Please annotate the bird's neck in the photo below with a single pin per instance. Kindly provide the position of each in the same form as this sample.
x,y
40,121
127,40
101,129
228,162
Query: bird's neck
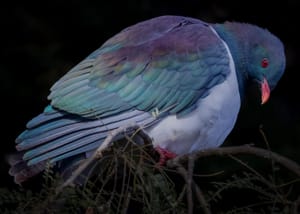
x,y
237,52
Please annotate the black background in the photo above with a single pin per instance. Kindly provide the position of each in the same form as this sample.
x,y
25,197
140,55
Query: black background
x,y
42,41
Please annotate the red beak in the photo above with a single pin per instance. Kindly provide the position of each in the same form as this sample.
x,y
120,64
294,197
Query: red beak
x,y
265,91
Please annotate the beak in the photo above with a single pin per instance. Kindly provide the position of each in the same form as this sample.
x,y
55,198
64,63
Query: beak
x,y
265,91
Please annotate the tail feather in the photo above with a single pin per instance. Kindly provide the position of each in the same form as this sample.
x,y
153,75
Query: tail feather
x,y
56,136
81,143
43,135
20,170
48,115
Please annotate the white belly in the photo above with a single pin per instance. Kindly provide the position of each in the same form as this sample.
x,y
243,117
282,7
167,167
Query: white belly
x,y
205,127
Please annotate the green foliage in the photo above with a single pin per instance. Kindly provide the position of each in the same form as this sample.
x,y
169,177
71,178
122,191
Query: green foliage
x,y
127,180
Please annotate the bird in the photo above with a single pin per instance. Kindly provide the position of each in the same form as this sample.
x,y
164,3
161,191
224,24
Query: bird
x,y
179,78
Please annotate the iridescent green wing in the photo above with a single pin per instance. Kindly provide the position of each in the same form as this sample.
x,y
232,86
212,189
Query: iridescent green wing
x,y
163,65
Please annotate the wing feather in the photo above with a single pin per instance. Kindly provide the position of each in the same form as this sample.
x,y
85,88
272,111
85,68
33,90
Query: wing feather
x,y
139,67
69,135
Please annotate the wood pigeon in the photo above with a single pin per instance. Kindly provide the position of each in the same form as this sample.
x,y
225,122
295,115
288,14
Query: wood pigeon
x,y
179,78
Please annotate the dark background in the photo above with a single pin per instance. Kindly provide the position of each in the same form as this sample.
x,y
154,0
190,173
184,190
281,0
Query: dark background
x,y
42,41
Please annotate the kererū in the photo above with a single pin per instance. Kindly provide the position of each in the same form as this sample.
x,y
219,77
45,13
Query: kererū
x,y
179,78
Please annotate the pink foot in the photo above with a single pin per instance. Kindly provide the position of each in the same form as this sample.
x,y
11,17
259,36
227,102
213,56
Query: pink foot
x,y
164,155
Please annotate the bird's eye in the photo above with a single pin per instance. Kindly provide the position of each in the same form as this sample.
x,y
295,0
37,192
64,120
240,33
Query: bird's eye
x,y
264,63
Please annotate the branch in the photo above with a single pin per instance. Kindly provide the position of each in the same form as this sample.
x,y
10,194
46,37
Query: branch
x,y
201,199
192,186
113,135
181,170
296,206
189,182
244,149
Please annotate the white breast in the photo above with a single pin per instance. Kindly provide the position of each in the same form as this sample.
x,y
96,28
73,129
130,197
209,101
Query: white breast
x,y
205,127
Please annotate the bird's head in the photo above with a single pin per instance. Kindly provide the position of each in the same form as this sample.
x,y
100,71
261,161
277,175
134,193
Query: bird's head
x,y
258,55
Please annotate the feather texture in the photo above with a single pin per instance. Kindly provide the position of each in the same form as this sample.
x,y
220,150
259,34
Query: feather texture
x,y
123,75
60,135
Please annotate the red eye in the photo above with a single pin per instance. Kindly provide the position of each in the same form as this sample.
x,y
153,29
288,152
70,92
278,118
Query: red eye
x,y
264,62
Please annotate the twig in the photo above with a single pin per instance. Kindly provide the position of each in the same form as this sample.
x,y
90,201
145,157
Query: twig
x,y
273,177
192,186
189,182
98,153
296,207
253,171
244,149
201,199
182,171
126,203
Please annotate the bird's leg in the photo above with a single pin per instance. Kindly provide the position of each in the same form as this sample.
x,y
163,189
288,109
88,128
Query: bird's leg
x,y
164,155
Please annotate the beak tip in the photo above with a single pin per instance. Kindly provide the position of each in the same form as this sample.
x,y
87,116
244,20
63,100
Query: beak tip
x,y
263,101
265,91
